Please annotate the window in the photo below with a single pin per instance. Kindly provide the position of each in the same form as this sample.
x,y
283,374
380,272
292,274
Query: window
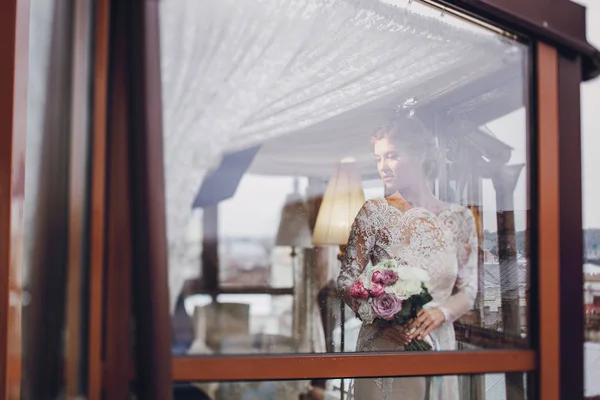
x,y
339,176
263,138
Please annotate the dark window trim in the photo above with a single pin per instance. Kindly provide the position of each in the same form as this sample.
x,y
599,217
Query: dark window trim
x,y
561,23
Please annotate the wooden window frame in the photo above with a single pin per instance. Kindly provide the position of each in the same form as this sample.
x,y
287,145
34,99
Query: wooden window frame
x,y
555,162
98,199
350,365
14,46
560,236
555,244
276,367
554,361
557,257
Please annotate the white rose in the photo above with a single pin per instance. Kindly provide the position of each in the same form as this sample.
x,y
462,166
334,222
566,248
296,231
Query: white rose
x,y
412,287
405,274
405,288
365,312
399,290
421,274
413,274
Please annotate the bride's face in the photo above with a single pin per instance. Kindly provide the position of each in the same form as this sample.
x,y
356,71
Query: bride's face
x,y
396,167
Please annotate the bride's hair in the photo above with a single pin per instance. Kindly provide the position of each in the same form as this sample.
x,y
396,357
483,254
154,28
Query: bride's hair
x,y
412,134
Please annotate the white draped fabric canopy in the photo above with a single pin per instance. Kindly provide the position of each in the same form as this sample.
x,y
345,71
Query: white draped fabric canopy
x,y
238,73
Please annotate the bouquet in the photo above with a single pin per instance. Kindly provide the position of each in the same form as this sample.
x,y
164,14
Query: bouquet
x,y
392,293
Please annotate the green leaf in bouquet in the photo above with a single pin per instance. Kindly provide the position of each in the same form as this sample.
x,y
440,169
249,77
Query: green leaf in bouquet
x,y
417,345
426,297
400,319
416,301
415,306
405,311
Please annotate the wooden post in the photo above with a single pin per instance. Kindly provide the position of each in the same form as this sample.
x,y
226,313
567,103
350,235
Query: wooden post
x,y
149,227
560,238
98,199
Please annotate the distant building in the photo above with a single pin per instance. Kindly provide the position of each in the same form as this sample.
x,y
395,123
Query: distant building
x,y
591,298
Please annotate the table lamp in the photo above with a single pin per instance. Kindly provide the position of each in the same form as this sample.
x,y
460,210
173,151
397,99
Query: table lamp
x,y
294,230
293,226
343,198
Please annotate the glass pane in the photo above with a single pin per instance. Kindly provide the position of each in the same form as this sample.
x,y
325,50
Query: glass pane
x,y
590,95
466,387
591,286
248,251
309,143
239,323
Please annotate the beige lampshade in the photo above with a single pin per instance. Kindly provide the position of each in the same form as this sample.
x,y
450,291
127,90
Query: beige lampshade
x,y
343,199
293,227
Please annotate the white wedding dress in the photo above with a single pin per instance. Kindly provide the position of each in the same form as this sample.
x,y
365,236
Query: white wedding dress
x,y
444,244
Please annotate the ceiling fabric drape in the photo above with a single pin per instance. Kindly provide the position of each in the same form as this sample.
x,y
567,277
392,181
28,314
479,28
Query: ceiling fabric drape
x,y
240,73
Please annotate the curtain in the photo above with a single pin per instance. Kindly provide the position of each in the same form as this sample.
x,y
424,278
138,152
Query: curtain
x,y
240,73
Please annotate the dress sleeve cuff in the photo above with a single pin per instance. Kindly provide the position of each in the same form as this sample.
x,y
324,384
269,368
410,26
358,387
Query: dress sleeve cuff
x,y
447,314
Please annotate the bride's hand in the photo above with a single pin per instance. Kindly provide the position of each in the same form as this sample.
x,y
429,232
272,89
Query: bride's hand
x,y
396,334
426,322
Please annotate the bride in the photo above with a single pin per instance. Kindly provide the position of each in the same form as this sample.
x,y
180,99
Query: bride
x,y
413,224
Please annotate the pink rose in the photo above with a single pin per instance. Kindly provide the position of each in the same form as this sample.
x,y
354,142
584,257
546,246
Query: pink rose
x,y
388,277
376,277
377,289
358,291
387,306
385,277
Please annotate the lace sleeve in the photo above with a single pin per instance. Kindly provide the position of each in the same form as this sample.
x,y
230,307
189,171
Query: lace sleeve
x,y
358,251
465,287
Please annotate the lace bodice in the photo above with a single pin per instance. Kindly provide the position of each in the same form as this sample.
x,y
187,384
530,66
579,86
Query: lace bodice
x,y
443,244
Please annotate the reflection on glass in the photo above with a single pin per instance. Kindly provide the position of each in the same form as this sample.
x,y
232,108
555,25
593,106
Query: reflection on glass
x,y
241,323
471,387
591,296
338,138
591,286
